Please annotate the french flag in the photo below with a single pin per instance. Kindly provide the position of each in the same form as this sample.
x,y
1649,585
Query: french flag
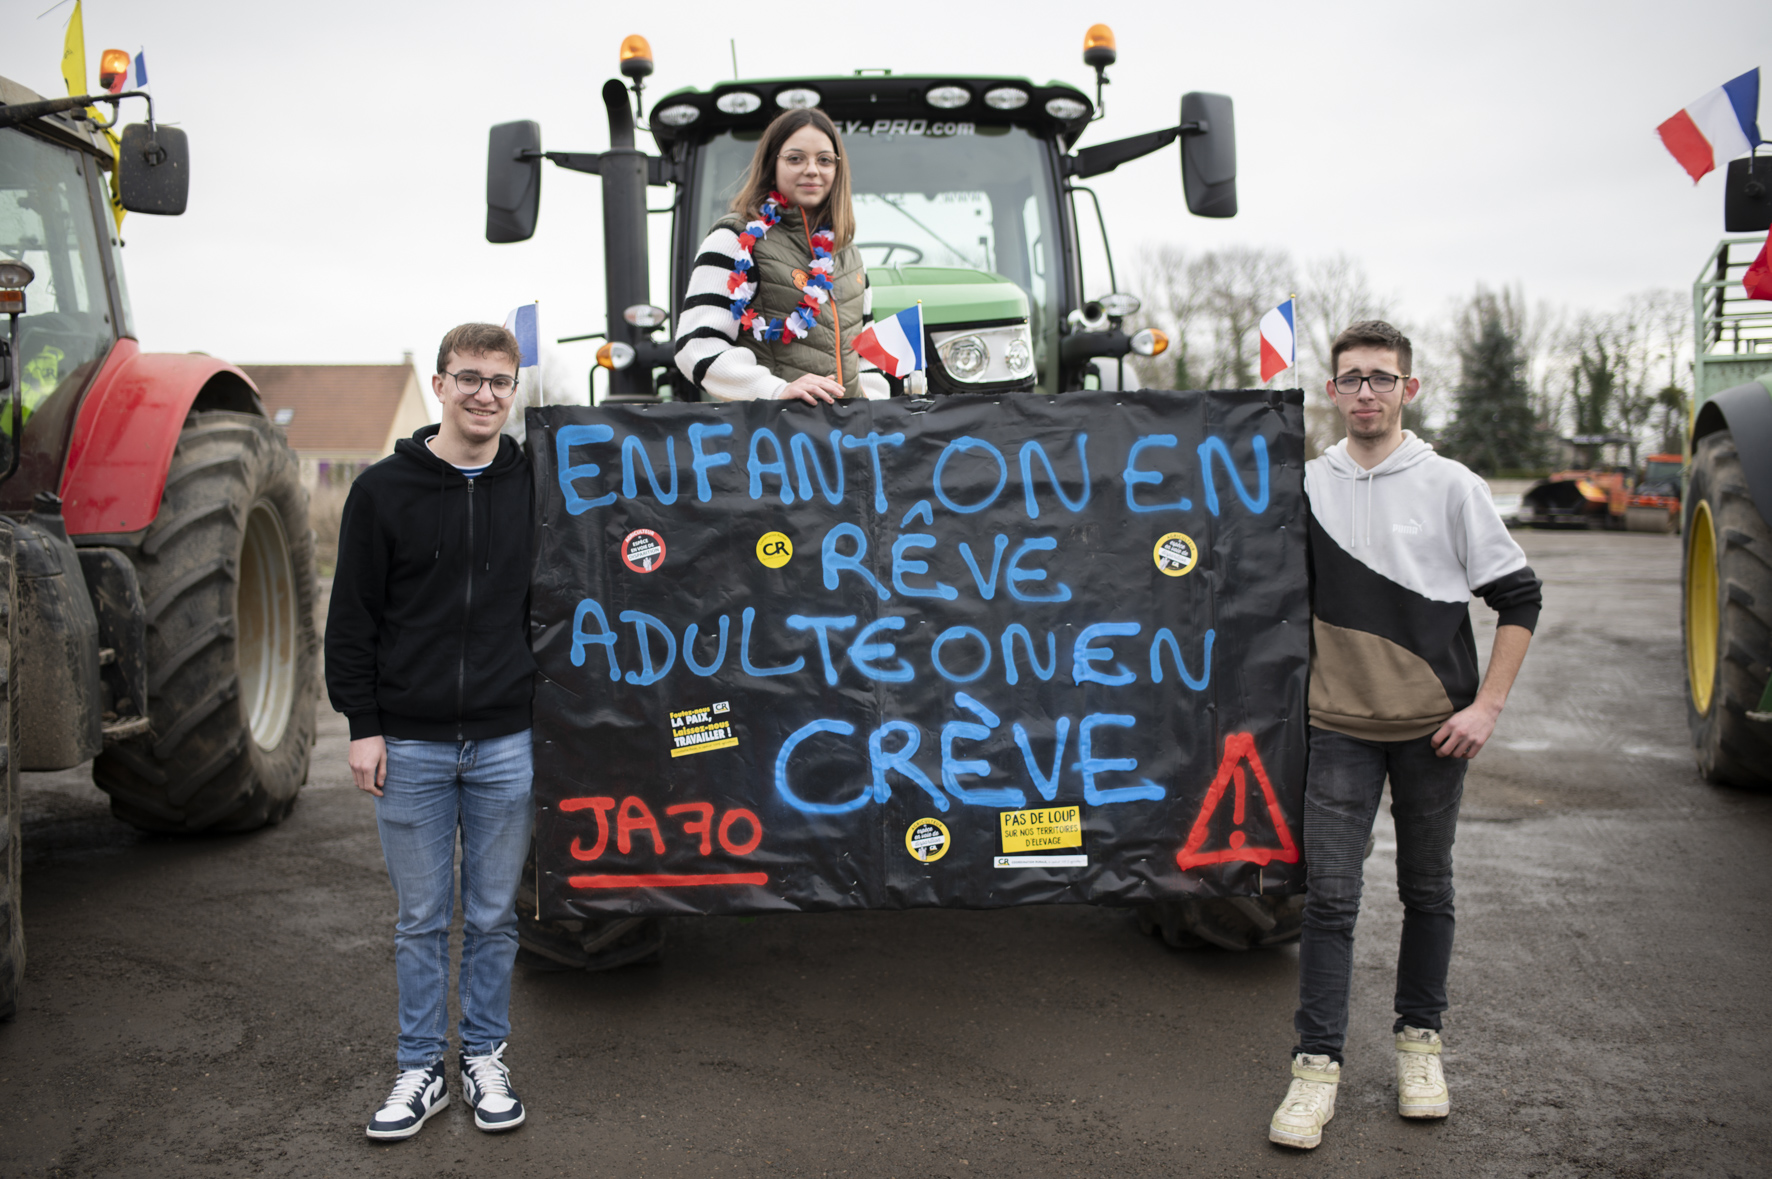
x,y
1717,128
1279,342
894,345
524,324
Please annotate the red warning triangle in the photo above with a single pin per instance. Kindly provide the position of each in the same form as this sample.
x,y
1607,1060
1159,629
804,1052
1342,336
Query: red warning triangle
x,y
1239,750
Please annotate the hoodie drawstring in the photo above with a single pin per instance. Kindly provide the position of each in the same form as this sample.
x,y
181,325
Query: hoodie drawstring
x,y
442,504
1353,506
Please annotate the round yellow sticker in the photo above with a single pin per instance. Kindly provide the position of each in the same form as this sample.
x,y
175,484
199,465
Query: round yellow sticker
x,y
1176,553
775,549
927,840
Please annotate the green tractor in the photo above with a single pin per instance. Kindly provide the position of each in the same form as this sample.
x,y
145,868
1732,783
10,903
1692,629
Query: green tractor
x,y
966,198
1728,504
966,191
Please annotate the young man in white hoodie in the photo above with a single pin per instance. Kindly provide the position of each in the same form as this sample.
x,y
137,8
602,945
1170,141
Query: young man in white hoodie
x,y
1400,539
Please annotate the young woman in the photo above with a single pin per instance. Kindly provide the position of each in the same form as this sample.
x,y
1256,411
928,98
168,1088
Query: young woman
x,y
778,293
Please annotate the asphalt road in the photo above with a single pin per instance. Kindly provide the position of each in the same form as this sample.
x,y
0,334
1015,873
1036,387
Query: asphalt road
x,y
225,1006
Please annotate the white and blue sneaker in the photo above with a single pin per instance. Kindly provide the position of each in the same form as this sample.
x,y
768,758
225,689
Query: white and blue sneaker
x,y
486,1084
419,1093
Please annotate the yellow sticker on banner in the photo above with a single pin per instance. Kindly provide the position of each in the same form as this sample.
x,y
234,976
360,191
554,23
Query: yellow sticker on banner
x,y
774,549
1042,829
1176,553
928,840
697,730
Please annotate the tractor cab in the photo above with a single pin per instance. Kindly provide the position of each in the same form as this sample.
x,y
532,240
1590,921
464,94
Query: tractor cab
x,y
966,192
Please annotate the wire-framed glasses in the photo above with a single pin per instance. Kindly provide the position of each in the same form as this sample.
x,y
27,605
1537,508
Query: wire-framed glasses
x,y
1348,384
501,385
824,160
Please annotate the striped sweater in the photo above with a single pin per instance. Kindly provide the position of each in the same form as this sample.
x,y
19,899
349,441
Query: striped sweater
x,y
708,349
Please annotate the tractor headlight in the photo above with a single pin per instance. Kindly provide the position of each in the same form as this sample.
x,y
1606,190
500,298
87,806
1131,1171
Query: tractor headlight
x,y
966,357
1018,358
677,115
615,354
987,355
798,98
738,102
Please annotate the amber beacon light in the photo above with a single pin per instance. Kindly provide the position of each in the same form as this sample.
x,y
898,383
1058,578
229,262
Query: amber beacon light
x,y
113,70
636,56
1098,47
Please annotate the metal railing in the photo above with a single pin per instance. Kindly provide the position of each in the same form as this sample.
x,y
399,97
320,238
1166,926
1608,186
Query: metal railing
x,y
1734,336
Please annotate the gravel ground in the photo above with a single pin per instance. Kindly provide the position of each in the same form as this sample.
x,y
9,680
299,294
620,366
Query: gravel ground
x,y
225,1006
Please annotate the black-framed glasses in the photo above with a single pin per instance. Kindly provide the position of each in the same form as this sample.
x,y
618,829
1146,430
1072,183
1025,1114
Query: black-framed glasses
x,y
825,161
501,385
1348,384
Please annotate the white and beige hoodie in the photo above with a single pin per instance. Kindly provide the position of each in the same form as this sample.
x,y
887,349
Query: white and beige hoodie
x,y
1397,552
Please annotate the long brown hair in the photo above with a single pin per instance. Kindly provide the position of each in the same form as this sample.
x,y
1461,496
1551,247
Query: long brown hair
x,y
759,180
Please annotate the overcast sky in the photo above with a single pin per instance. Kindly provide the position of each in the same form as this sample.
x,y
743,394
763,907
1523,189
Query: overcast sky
x,y
339,149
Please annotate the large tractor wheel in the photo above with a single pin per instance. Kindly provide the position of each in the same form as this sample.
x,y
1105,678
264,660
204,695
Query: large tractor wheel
x,y
12,925
227,577
1727,619
1231,923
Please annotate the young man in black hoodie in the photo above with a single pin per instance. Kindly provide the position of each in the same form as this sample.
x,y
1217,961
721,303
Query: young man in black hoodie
x,y
427,655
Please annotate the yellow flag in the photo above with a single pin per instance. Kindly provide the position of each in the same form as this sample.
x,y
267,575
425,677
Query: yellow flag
x,y
74,74
74,54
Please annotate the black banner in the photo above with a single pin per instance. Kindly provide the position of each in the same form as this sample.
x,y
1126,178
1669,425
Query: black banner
x,y
983,651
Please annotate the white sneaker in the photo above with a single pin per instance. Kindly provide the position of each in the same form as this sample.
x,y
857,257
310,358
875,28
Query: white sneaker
x,y
419,1093
486,1083
1421,1083
1309,1104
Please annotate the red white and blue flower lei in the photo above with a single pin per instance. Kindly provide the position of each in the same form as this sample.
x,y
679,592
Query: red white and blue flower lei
x,y
743,287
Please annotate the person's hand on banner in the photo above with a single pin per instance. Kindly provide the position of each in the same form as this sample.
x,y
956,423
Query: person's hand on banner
x,y
812,389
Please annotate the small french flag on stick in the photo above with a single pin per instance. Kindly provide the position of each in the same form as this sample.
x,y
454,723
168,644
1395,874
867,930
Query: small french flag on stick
x,y
894,345
1718,127
1279,342
523,324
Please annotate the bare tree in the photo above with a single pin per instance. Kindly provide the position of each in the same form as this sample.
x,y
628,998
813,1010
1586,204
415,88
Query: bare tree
x,y
1172,305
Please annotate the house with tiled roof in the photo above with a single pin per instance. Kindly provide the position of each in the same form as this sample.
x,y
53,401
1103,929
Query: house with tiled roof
x,y
341,417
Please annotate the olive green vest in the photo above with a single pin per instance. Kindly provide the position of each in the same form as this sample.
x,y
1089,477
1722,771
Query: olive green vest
x,y
780,264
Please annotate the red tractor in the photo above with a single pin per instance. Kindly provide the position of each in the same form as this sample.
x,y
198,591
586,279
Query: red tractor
x,y
156,564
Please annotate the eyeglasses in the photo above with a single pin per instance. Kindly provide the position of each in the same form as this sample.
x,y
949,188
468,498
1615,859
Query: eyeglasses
x,y
799,159
469,383
1349,384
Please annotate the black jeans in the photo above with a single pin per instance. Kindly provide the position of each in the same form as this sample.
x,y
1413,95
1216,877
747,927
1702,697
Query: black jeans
x,y
1343,787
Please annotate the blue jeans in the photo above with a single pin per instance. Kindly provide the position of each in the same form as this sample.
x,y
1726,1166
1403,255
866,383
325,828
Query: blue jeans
x,y
1343,787
434,789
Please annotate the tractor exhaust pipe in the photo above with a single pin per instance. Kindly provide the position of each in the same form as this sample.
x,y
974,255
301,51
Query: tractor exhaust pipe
x,y
625,266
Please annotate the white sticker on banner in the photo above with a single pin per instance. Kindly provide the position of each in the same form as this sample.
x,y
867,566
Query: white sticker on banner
x,y
1041,862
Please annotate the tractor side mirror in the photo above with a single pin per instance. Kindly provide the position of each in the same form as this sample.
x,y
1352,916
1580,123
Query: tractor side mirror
x,y
1209,154
154,169
1747,195
513,181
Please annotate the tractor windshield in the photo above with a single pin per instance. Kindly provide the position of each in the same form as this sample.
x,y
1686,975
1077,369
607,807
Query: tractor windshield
x,y
930,194
46,222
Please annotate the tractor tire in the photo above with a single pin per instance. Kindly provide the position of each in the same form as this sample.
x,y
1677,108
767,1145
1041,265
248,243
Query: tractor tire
x,y
594,945
1727,619
227,578
1230,923
12,924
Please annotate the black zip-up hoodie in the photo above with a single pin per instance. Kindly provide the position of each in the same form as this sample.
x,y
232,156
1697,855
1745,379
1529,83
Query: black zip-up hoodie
x,y
427,635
